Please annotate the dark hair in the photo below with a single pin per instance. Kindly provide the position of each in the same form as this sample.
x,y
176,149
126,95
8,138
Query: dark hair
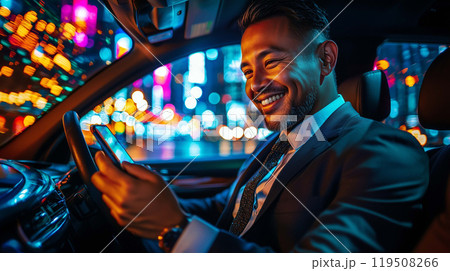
x,y
304,15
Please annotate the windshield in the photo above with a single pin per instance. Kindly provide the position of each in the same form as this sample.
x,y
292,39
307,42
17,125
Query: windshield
x,y
48,49
194,106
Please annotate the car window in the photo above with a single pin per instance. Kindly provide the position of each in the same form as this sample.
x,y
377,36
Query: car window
x,y
48,49
404,65
193,106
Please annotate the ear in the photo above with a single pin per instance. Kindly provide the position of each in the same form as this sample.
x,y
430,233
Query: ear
x,y
328,53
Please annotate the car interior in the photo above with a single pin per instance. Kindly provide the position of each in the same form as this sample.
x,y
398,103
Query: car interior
x,y
393,67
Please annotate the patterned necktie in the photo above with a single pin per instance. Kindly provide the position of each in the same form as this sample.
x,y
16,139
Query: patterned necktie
x,y
248,196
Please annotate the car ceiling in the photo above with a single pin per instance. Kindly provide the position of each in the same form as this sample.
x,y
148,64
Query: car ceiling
x,y
358,30
373,18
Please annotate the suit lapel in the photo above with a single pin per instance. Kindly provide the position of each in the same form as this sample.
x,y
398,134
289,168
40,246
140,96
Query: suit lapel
x,y
331,129
310,150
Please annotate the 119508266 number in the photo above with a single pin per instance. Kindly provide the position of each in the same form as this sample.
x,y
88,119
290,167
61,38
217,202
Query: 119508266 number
x,y
404,262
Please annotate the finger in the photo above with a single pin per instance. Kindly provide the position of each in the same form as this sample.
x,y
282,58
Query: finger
x,y
141,172
117,212
105,185
106,166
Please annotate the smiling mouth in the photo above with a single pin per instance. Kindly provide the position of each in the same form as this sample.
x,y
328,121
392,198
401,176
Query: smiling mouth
x,y
272,99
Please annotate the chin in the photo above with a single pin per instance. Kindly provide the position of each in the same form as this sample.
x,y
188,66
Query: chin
x,y
272,125
273,121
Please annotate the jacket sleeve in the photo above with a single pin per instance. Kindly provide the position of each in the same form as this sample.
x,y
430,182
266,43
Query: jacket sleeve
x,y
383,179
208,209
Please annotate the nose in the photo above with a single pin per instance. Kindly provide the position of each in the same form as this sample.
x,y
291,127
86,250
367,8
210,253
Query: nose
x,y
259,82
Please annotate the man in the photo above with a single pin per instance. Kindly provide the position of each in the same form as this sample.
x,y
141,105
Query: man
x,y
340,183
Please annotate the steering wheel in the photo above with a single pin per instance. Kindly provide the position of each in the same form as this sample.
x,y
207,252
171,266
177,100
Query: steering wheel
x,y
87,167
82,157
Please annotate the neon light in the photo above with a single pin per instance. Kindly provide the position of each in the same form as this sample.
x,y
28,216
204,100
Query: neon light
x,y
214,98
91,20
142,105
137,96
41,102
394,109
81,39
250,132
66,13
123,44
105,54
148,80
28,70
40,25
29,120
7,71
119,127
7,3
162,72
4,11
18,126
56,90
212,54
50,28
162,78
120,104
137,83
157,99
196,92
190,102
382,65
410,81
63,62
237,132
31,16
208,119
167,114
197,73
80,14
225,133
139,129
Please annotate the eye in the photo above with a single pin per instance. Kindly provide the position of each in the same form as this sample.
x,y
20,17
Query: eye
x,y
271,63
247,73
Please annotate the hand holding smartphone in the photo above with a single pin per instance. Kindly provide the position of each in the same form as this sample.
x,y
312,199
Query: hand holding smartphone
x,y
110,145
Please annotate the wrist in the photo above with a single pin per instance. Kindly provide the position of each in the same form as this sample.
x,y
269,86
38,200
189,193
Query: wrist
x,y
170,235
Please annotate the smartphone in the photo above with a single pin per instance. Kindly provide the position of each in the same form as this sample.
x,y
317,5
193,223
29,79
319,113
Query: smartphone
x,y
110,145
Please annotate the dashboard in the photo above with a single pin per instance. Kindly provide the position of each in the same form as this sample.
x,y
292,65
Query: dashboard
x,y
45,207
41,207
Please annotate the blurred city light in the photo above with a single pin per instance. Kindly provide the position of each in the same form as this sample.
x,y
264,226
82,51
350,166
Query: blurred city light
x,y
212,54
197,73
196,92
190,102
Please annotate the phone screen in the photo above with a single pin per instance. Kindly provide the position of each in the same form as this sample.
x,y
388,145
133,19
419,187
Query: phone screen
x,y
110,144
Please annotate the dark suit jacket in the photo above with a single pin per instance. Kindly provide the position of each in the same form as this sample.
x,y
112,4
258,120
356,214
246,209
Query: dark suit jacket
x,y
364,183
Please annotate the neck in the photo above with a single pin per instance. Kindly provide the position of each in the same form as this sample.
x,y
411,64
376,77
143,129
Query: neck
x,y
327,94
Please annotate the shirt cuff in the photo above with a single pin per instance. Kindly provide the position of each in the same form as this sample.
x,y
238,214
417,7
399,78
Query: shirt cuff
x,y
198,236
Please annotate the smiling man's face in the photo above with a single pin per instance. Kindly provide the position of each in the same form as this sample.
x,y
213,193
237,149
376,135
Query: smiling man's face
x,y
276,83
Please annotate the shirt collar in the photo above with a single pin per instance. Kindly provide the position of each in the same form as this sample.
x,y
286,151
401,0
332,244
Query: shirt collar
x,y
309,126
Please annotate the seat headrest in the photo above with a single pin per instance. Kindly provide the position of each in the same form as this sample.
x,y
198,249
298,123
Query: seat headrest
x,y
369,94
434,97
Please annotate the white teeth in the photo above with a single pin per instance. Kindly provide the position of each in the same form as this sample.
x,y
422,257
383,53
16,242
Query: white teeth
x,y
271,99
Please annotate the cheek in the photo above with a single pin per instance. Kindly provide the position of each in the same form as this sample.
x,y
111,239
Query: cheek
x,y
293,81
248,91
